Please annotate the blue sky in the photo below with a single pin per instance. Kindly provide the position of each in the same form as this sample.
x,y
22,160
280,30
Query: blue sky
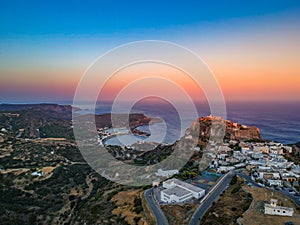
x,y
113,17
51,43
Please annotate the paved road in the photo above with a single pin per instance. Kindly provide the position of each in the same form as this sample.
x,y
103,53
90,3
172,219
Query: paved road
x,y
248,179
212,196
157,212
296,199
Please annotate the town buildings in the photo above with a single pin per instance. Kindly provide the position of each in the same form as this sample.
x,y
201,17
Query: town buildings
x,y
265,161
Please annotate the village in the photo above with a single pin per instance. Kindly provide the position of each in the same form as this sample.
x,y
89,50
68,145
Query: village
x,y
260,164
265,160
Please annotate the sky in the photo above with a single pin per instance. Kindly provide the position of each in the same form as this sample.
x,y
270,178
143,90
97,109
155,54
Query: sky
x,y
252,47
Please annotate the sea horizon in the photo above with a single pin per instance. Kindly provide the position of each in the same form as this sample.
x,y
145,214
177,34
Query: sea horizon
x,y
277,121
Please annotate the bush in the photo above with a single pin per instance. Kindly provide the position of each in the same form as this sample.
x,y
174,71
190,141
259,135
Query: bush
x,y
136,219
236,189
138,208
234,180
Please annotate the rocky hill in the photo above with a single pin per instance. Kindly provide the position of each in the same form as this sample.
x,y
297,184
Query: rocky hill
x,y
233,131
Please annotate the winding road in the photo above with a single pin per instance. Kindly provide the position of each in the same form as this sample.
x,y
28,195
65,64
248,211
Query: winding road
x,y
156,210
211,196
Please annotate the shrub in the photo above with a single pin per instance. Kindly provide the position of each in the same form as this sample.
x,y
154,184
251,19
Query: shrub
x,y
236,189
234,180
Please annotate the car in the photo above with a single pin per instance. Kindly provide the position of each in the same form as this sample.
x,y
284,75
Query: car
x,y
289,223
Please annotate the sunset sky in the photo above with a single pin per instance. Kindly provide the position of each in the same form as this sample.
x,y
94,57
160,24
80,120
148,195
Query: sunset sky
x,y
252,47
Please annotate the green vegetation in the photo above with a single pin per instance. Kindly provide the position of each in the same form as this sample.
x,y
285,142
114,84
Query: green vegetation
x,y
71,188
56,131
234,180
138,208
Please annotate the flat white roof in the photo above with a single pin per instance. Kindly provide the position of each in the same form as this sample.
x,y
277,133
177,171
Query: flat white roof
x,y
184,184
177,191
279,207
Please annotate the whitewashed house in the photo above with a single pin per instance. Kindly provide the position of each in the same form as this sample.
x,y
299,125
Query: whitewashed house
x,y
278,183
225,168
273,209
166,173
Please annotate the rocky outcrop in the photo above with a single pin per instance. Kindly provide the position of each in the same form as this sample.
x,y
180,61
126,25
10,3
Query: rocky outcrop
x,y
224,130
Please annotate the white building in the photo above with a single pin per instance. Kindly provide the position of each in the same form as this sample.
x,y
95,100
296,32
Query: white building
x,y
245,150
273,209
240,165
179,191
272,182
37,173
197,149
224,148
288,149
166,173
276,150
225,168
175,194
222,156
296,169
238,155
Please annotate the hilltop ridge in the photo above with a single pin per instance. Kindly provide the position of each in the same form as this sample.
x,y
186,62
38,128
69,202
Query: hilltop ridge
x,y
233,130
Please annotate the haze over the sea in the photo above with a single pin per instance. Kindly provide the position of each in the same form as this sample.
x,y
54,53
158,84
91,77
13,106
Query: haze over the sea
x,y
277,121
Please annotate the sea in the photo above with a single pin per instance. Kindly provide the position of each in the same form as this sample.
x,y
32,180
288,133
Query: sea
x,y
277,121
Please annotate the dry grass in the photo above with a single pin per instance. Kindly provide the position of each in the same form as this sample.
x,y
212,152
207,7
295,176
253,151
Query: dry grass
x,y
179,214
50,139
255,214
230,206
16,172
147,211
124,202
48,169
